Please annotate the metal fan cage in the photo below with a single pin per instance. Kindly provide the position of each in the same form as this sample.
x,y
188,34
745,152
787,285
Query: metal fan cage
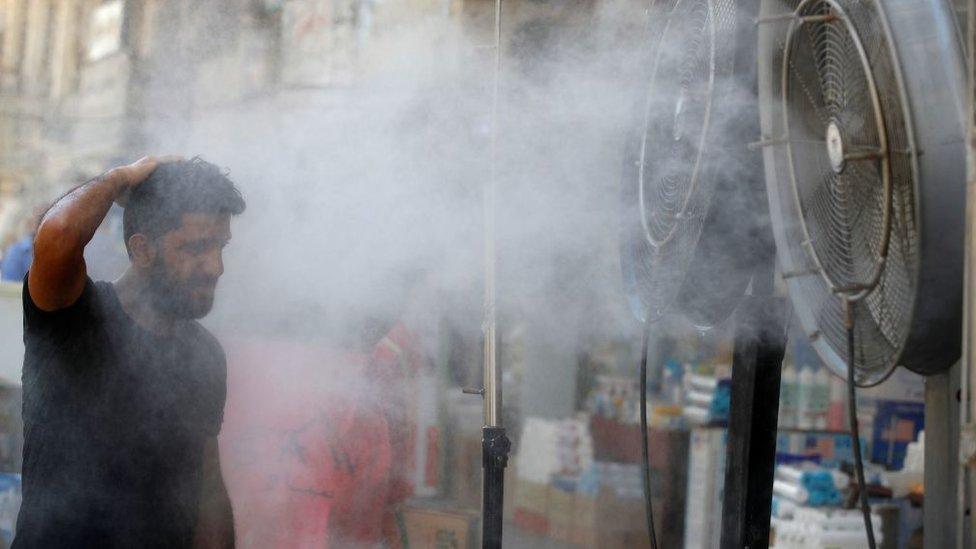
x,y
843,179
671,189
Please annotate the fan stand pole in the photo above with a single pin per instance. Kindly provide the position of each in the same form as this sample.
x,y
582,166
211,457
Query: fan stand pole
x,y
495,445
759,346
941,520
760,343
966,469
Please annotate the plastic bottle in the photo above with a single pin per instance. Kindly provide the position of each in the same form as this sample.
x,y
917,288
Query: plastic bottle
x,y
804,398
671,390
820,398
837,408
787,401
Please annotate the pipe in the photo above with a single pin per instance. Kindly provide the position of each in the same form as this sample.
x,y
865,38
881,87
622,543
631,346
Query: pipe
x,y
967,408
492,374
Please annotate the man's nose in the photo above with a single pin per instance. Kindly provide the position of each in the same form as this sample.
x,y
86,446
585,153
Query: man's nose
x,y
213,264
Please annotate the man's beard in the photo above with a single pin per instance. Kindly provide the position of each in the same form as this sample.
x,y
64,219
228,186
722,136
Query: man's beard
x,y
172,298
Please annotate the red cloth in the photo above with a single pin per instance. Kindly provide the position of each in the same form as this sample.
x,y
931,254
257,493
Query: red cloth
x,y
394,365
305,453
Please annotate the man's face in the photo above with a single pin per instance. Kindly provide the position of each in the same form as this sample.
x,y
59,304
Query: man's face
x,y
189,260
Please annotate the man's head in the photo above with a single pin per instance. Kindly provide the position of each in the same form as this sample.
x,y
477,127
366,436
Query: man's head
x,y
176,224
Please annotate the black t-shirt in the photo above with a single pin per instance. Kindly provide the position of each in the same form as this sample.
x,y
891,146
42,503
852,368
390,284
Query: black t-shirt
x,y
115,421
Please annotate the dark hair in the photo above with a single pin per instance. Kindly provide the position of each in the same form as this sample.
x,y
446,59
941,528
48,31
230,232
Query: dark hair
x,y
157,205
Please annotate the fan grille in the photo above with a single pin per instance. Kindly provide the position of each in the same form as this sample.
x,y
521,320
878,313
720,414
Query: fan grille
x,y
673,184
851,228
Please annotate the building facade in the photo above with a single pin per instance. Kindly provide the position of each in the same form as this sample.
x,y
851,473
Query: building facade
x,y
87,84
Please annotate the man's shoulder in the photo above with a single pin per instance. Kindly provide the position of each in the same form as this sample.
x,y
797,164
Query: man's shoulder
x,y
90,310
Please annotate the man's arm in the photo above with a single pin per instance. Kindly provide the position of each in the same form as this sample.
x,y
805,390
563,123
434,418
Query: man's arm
x,y
57,272
215,523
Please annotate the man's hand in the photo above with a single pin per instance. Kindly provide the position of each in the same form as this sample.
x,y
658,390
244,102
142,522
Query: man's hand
x,y
129,177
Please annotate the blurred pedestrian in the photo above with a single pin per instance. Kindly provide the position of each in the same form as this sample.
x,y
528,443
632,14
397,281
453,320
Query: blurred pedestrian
x,y
17,257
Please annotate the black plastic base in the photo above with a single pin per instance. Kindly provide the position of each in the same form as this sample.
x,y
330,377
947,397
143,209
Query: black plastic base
x,y
760,342
495,447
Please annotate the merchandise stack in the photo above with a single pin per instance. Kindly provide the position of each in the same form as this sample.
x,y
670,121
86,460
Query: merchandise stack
x,y
824,528
554,447
813,486
551,453
704,488
707,398
807,511
810,398
580,481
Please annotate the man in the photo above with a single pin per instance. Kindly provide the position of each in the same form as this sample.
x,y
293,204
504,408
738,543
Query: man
x,y
123,390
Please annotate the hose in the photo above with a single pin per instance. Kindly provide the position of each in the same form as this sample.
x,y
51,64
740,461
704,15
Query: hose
x,y
646,470
855,432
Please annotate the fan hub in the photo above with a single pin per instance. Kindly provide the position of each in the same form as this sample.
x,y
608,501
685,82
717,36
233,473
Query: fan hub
x,y
835,147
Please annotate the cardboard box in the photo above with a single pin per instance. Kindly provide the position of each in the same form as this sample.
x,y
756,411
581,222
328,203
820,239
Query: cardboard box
x,y
532,497
530,521
465,477
668,453
441,528
561,513
584,520
621,443
896,424
606,521
530,506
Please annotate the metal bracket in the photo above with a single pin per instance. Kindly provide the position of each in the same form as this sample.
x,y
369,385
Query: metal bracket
x,y
825,18
767,142
786,275
775,18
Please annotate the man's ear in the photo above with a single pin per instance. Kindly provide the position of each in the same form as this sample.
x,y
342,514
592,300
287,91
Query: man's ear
x,y
143,251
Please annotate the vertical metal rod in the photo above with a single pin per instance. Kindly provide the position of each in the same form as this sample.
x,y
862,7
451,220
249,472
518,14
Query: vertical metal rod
x,y
967,409
492,374
940,514
495,446
967,412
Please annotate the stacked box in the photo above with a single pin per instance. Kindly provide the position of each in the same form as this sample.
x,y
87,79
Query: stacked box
x,y
825,448
531,506
706,479
668,453
584,520
440,528
896,424
562,504
611,522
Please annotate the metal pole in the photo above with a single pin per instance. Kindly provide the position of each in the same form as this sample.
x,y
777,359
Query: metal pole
x,y
967,412
941,459
495,445
492,377
760,343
